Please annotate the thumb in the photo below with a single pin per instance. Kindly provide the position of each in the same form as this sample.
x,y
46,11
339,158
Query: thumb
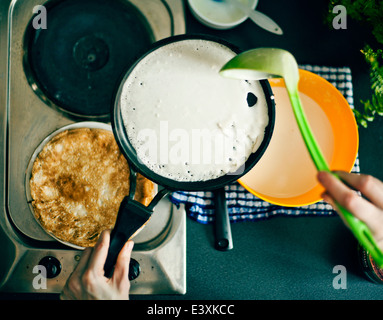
x,y
121,269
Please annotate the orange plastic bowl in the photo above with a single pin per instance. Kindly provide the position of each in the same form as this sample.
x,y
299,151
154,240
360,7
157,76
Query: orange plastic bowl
x,y
286,175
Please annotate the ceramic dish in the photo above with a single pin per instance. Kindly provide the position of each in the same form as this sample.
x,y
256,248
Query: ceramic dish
x,y
286,175
218,14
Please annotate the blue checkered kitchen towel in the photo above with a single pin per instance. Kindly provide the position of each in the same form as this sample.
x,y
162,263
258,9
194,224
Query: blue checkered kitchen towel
x,y
244,206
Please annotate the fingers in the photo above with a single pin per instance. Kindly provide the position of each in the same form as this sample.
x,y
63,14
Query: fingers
x,y
121,270
91,262
368,185
88,281
99,253
359,207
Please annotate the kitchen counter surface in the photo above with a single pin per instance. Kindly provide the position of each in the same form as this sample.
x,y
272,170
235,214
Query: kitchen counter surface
x,y
287,258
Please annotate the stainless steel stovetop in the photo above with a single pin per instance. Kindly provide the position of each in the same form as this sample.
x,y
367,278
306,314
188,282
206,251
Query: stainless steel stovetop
x,y
27,117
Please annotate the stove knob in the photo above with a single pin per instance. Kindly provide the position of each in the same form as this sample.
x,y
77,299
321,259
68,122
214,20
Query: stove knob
x,y
52,266
134,269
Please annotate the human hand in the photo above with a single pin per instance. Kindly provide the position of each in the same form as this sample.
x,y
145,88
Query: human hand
x,y
368,209
87,282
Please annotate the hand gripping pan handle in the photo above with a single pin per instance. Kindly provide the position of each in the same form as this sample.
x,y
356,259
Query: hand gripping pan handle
x,y
131,217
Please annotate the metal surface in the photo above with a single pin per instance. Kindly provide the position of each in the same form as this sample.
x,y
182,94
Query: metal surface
x,y
26,119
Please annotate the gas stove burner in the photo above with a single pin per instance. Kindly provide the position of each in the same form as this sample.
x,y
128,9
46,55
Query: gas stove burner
x,y
76,62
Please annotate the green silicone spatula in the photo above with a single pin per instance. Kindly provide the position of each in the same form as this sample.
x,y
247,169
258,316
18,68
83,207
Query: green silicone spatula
x,y
266,63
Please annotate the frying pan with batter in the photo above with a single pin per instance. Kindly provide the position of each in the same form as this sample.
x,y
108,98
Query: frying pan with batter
x,y
133,215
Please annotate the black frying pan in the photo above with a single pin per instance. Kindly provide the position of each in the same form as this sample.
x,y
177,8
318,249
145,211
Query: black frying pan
x,y
133,215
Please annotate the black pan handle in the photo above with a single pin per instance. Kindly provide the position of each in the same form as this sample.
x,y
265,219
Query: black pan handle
x,y
132,215
223,238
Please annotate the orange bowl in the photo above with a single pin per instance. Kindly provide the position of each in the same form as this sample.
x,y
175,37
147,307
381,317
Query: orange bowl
x,y
286,175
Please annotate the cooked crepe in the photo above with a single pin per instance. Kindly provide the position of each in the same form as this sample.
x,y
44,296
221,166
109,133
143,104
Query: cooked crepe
x,y
78,182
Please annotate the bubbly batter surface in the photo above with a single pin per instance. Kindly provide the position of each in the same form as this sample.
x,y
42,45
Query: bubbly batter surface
x,y
187,122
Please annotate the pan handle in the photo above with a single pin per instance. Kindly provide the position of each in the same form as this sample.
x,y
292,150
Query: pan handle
x,y
131,217
223,238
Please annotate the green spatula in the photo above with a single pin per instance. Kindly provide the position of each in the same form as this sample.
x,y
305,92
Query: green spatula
x,y
266,63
